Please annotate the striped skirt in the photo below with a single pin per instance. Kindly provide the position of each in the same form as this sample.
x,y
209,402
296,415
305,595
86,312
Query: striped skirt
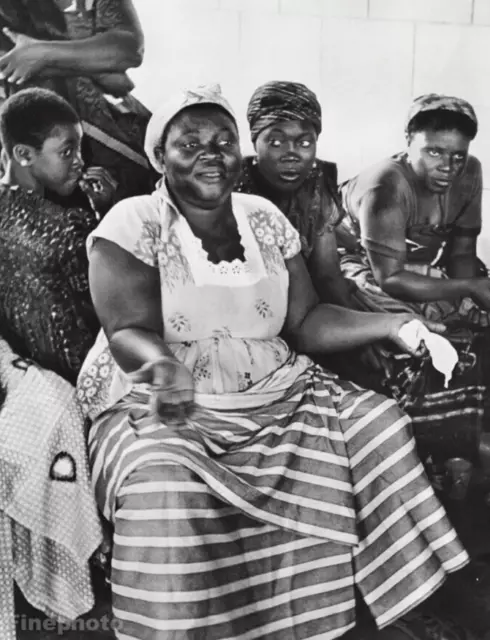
x,y
257,523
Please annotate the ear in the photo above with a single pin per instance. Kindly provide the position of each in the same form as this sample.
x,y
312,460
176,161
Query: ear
x,y
23,154
159,155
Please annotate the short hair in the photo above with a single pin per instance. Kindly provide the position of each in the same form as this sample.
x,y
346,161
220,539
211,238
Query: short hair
x,y
442,120
30,115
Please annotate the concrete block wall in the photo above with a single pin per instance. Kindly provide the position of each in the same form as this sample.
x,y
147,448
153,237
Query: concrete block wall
x,y
366,59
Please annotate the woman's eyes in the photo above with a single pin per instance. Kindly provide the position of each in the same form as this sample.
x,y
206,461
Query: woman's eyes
x,y
67,153
304,144
194,144
433,153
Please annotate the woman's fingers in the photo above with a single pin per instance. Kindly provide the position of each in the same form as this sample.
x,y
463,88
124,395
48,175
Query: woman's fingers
x,y
100,174
436,327
12,35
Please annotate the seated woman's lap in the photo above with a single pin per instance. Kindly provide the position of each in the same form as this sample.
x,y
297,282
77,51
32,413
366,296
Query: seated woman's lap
x,y
176,540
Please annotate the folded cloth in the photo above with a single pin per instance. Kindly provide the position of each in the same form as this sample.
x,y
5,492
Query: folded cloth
x,y
444,356
45,489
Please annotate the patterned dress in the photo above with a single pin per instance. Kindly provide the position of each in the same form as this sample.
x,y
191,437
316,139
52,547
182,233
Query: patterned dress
x,y
46,313
311,209
255,517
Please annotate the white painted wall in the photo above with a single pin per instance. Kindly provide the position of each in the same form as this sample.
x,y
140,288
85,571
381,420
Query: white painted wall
x,y
366,59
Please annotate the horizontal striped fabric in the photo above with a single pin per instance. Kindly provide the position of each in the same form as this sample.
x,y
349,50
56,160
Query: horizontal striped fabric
x,y
256,523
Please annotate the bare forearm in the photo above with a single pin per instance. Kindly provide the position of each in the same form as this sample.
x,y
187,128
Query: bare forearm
x,y
418,288
114,51
329,328
334,291
132,348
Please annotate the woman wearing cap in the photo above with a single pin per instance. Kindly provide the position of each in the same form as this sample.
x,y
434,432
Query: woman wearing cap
x,y
248,488
285,120
416,217
418,212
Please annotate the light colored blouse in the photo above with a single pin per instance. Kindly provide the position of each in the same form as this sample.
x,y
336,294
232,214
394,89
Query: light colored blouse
x,y
221,320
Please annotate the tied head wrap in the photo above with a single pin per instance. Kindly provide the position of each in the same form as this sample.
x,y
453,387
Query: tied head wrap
x,y
159,121
438,102
282,101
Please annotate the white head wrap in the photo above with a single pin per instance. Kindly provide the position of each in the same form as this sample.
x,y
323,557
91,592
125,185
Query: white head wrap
x,y
207,94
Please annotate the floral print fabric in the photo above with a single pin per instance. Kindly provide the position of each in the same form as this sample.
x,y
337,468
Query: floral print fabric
x,y
222,321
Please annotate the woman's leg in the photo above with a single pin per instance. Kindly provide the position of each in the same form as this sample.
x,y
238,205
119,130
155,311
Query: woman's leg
x,y
407,544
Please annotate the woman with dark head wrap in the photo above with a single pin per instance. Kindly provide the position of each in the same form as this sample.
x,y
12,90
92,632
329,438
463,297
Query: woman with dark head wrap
x,y
285,121
416,217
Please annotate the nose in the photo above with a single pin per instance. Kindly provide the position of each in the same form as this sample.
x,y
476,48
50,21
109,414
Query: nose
x,y
212,150
447,164
290,152
78,160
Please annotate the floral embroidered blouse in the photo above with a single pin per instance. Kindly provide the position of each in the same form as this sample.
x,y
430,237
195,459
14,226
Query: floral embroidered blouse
x,y
221,320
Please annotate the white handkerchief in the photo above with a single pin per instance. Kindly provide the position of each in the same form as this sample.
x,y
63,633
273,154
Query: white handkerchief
x,y
444,356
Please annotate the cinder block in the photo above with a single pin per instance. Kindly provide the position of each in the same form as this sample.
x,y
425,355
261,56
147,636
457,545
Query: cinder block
x,y
481,12
327,8
422,10
367,63
185,48
453,59
278,48
257,6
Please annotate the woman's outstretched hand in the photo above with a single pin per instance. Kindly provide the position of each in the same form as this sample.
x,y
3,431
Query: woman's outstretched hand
x,y
398,320
172,387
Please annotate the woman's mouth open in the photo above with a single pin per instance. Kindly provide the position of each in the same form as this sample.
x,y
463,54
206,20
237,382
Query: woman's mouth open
x,y
290,176
212,176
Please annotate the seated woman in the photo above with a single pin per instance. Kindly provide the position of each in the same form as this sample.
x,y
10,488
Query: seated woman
x,y
46,313
416,218
285,121
82,51
249,489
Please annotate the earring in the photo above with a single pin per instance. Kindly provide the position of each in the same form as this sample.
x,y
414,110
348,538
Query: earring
x,y
255,161
23,163
314,165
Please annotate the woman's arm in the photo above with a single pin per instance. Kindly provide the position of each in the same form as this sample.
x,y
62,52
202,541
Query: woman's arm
x,y
127,299
324,268
114,50
383,231
322,328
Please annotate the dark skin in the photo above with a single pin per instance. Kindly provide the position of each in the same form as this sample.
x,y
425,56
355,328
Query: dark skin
x,y
286,152
202,148
105,56
437,158
57,166
126,292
